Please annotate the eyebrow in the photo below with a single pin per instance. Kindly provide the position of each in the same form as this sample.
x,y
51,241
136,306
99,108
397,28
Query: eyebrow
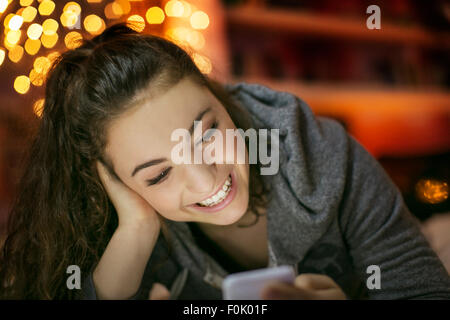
x,y
159,160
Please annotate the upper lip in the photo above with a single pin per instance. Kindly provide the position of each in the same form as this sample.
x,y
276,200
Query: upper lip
x,y
217,190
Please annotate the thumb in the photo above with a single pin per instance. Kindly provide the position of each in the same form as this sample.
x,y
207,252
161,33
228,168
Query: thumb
x,y
158,292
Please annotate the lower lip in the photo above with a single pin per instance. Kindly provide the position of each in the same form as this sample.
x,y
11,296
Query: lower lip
x,y
225,202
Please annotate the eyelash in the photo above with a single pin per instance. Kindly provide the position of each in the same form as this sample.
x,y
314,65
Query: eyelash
x,y
164,174
159,178
213,126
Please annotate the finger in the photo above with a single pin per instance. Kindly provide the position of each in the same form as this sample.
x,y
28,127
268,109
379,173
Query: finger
x,y
313,281
158,292
329,294
284,291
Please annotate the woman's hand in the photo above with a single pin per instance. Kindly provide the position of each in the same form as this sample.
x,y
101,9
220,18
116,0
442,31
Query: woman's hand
x,y
307,286
159,292
131,208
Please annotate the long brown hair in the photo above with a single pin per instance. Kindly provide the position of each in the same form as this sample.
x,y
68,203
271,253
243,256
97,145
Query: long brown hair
x,y
62,215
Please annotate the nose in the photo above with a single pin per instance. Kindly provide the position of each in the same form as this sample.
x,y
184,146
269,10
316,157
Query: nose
x,y
200,178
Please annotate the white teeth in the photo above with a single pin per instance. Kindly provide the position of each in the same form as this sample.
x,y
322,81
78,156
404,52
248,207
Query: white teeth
x,y
219,196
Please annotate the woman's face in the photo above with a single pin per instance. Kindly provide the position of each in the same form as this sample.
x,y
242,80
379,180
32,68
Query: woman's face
x,y
143,134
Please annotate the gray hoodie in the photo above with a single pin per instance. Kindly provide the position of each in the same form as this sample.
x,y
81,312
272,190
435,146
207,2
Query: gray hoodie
x,y
333,211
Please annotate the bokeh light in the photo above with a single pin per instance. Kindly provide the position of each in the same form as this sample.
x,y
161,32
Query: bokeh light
x,y
155,15
2,56
49,41
49,27
432,191
42,65
136,22
52,56
7,19
28,14
34,31
73,40
32,46
15,22
121,7
199,20
3,5
46,7
15,54
22,84
109,13
72,7
187,10
68,19
174,8
202,62
13,36
38,107
94,24
25,3
196,40
37,79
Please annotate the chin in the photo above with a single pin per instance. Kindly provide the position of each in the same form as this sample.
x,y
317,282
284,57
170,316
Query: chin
x,y
232,214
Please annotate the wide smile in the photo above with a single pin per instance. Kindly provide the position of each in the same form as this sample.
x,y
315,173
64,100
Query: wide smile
x,y
221,198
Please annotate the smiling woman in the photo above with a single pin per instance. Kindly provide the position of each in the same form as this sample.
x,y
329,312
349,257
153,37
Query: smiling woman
x,y
101,191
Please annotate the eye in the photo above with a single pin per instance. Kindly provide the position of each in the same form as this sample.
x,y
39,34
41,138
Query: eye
x,y
159,178
209,133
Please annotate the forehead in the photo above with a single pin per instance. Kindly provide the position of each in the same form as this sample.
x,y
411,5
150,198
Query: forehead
x,y
143,132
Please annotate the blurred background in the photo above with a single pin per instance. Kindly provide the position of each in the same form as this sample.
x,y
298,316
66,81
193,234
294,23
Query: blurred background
x,y
390,87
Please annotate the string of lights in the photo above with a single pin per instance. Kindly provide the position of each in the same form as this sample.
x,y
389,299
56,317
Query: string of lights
x,y
36,31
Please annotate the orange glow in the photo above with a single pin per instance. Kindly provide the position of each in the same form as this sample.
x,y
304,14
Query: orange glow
x,y
432,191
42,65
2,56
73,40
49,27
13,36
94,1
15,23
34,31
37,79
32,46
49,41
199,20
15,54
38,107
28,14
94,24
136,22
22,84
155,15
46,7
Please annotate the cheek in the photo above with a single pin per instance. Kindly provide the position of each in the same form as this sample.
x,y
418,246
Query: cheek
x,y
165,202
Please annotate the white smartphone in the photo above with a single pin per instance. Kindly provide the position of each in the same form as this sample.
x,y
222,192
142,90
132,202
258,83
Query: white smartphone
x,y
248,285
